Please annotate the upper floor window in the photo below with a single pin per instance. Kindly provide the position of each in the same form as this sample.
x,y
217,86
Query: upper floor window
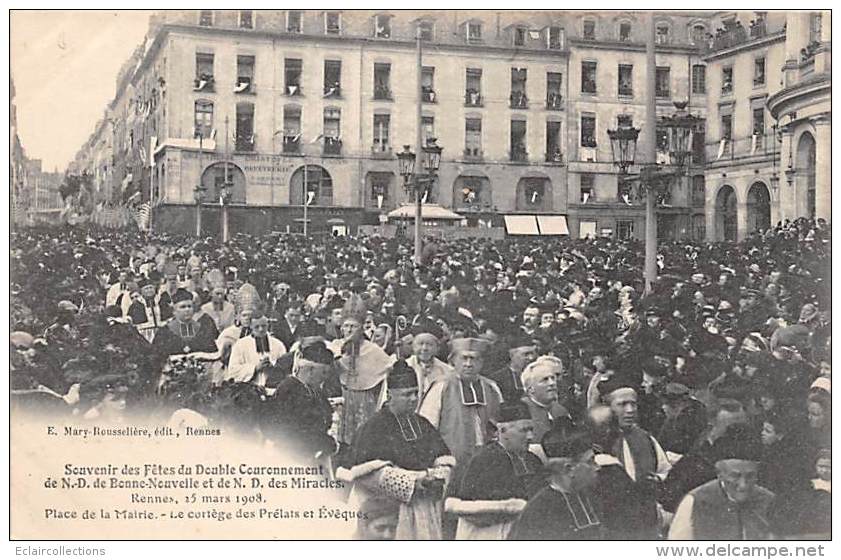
x,y
332,78
815,27
663,34
474,32
246,19
204,72
588,77
203,118
333,23
291,129
589,31
473,87
206,18
381,132
382,80
473,137
428,84
382,26
758,121
699,34
293,68
428,127
759,71
520,34
727,80
554,94
555,38
699,79
662,85
518,88
626,80
588,130
245,74
426,29
294,21
625,31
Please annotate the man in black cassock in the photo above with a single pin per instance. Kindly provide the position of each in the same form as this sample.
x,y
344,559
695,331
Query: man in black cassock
x,y
182,334
298,415
564,510
499,479
400,454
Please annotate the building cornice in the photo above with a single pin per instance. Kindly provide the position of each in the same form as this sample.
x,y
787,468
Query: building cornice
x,y
769,39
609,45
817,85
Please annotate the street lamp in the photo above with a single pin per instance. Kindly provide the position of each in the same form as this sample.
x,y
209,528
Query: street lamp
x,y
655,180
198,190
416,182
225,192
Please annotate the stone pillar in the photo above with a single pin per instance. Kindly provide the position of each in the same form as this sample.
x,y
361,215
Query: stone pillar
x,y
823,175
709,212
786,200
741,218
797,36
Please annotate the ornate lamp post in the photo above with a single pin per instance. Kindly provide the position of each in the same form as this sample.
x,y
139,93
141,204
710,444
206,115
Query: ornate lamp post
x,y
654,180
417,182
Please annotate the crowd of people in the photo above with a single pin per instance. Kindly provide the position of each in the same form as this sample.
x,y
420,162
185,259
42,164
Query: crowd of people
x,y
499,389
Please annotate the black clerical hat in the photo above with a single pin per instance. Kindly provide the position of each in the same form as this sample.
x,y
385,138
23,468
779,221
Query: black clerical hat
x,y
182,295
402,376
318,352
513,411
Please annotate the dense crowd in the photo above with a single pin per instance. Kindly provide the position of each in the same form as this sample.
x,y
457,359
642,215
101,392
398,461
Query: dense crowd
x,y
518,388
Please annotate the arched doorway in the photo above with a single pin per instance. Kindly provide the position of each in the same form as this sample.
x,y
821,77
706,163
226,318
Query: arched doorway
x,y
725,214
534,193
319,186
805,167
216,175
759,207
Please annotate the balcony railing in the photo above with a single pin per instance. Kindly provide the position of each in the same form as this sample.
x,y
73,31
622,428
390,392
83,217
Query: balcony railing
x,y
333,91
244,143
292,144
757,145
519,100
382,93
626,91
554,101
205,82
473,99
554,156
473,154
428,95
381,149
332,146
735,34
518,154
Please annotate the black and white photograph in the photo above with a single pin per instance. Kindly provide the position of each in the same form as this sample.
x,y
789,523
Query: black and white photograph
x,y
420,274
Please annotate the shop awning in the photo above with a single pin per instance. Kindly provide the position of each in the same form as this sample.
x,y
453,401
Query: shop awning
x,y
428,212
529,224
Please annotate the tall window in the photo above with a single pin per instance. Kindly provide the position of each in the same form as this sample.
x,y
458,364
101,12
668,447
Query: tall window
x,y
555,38
473,89
589,29
380,183
624,229
759,71
473,137
726,127
520,36
292,69
758,121
332,130
815,27
588,130
663,34
382,26
727,80
382,123
662,86
699,79
332,78
518,88
588,77
245,127
382,80
428,127
474,32
428,84
698,191
662,140
626,80
246,19
245,74
294,21
291,129
625,31
518,140
204,72
699,34
587,185
333,23
554,95
206,18
203,118
553,142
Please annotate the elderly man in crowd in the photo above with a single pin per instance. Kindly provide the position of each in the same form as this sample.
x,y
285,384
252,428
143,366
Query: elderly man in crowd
x,y
540,381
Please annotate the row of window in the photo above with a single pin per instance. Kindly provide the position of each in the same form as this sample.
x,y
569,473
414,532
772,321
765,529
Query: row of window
x,y
332,85
381,28
625,79
330,138
727,75
587,191
624,32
